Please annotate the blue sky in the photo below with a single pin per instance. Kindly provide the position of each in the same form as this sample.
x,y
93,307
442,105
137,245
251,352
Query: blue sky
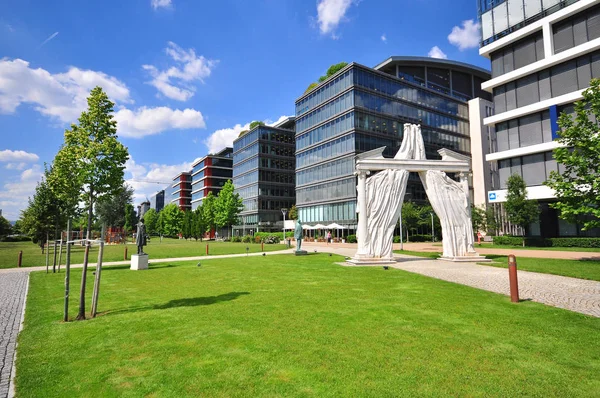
x,y
187,76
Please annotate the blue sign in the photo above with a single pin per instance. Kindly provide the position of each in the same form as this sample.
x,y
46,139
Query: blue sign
x,y
492,195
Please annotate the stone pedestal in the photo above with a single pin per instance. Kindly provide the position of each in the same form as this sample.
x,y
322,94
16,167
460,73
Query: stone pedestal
x,y
365,260
139,262
469,258
300,253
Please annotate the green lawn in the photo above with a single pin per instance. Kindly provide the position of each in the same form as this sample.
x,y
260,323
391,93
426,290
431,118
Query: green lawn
x,y
169,248
584,269
299,326
520,247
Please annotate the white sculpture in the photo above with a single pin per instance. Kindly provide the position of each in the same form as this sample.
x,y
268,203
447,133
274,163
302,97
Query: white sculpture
x,y
380,199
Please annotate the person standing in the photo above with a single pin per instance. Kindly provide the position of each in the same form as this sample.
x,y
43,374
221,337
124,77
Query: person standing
x,y
328,237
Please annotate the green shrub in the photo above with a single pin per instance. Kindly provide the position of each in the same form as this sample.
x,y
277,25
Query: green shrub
x,y
236,239
419,238
288,234
20,238
271,239
257,239
351,239
247,238
507,240
397,239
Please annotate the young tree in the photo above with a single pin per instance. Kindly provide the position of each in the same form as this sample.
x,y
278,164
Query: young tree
x,y
578,187
199,225
228,206
5,227
519,209
111,208
151,220
491,220
410,217
130,219
187,224
478,218
172,220
208,211
293,214
93,160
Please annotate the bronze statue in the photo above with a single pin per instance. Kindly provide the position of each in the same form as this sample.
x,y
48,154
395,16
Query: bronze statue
x,y
140,237
298,235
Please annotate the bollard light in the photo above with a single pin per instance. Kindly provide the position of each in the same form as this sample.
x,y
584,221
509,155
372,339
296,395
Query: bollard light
x,y
199,265
512,277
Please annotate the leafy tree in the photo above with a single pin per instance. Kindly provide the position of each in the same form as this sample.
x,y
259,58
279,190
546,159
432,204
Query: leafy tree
x,y
17,228
478,218
5,227
42,215
519,209
187,224
209,211
160,223
411,217
130,219
111,208
228,206
491,220
332,70
172,220
578,187
293,214
151,220
256,123
93,160
199,225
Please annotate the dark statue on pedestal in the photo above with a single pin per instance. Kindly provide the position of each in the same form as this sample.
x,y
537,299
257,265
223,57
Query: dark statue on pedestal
x,y
140,237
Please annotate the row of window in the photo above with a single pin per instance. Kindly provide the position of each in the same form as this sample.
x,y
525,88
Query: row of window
x,y
337,168
561,79
524,131
339,212
326,131
277,150
246,153
578,29
327,191
279,164
241,168
216,162
281,177
325,92
265,134
517,55
322,152
249,191
399,109
535,169
406,92
244,141
365,143
342,103
240,181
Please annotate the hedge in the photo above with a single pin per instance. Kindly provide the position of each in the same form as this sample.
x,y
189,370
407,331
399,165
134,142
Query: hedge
x,y
351,239
288,234
15,239
547,242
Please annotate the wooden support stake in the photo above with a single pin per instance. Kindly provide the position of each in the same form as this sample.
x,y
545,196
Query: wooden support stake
x,y
47,253
97,281
68,273
20,258
54,261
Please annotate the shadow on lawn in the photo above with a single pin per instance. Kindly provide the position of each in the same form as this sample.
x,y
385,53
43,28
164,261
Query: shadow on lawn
x,y
186,302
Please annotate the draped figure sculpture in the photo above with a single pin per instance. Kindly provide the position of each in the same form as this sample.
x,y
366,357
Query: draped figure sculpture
x,y
384,195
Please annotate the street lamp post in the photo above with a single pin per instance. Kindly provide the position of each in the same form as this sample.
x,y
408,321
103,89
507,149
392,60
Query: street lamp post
x,y
284,212
432,230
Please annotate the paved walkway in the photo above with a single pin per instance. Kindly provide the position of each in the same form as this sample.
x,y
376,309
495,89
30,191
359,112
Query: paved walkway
x,y
13,288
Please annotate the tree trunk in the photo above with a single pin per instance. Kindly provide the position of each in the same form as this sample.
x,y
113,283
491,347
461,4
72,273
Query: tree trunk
x,y
81,314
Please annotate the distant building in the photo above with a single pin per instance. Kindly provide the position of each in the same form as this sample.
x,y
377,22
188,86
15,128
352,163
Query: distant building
x,y
144,207
264,164
157,201
209,174
180,192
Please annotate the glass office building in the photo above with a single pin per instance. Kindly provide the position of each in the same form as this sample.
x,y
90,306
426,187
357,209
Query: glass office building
x,y
263,175
157,201
209,174
360,109
540,67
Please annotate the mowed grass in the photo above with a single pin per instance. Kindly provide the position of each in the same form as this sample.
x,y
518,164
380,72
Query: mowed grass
x,y
487,245
169,248
299,326
583,269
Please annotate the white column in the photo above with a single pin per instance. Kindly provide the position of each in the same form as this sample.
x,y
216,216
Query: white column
x,y
361,233
548,40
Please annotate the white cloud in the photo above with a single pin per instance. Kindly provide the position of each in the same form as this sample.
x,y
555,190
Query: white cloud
x,y
16,166
52,36
330,13
384,38
436,52
149,178
63,96
150,121
176,82
160,4
466,37
18,156
281,119
15,194
224,137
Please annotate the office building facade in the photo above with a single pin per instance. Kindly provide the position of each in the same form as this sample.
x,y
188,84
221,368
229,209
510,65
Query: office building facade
x,y
264,165
209,174
360,109
157,201
180,191
543,56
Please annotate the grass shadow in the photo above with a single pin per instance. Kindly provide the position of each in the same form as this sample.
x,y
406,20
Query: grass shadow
x,y
185,302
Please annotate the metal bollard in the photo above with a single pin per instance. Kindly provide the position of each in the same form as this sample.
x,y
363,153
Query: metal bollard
x,y
20,258
262,246
512,275
125,256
